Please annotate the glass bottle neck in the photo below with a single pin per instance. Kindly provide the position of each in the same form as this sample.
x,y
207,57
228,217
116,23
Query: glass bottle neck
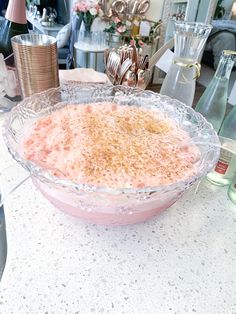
x,y
231,116
16,11
225,67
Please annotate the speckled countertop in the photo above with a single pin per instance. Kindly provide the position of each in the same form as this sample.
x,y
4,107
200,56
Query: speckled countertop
x,y
184,261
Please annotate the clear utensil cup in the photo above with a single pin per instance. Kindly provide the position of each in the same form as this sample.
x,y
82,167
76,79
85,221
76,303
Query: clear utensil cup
x,y
36,62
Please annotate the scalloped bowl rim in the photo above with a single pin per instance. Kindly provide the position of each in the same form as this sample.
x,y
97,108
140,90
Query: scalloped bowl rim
x,y
39,171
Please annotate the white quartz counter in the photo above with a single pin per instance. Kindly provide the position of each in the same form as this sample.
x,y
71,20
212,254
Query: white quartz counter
x,y
184,261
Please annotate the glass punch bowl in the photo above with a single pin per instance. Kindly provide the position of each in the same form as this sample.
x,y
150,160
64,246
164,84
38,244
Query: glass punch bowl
x,y
108,205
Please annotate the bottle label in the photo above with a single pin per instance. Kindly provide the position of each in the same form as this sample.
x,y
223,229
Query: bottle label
x,y
226,165
222,166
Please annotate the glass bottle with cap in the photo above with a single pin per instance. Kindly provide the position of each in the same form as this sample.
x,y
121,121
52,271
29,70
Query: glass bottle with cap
x,y
15,23
225,169
212,104
189,41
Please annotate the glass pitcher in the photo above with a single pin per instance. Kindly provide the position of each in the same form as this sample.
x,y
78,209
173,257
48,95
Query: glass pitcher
x,y
189,41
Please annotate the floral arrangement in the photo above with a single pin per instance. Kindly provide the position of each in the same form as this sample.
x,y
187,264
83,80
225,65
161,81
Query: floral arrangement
x,y
123,30
135,41
88,11
118,26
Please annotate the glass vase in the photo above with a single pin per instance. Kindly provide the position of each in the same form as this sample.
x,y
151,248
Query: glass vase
x,y
189,41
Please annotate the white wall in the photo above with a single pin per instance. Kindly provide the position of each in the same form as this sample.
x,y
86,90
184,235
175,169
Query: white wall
x,y
155,10
64,8
227,4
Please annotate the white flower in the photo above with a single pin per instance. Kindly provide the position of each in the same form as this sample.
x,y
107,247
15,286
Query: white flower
x,y
93,11
10,84
3,68
128,23
7,80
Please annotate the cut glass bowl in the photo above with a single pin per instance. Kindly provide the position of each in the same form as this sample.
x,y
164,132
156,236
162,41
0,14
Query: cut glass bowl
x,y
108,205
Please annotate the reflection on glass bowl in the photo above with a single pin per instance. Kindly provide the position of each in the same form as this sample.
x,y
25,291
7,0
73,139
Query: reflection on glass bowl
x,y
99,204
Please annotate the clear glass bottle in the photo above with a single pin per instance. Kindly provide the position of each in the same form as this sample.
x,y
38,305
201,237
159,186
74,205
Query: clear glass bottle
x,y
232,191
212,104
189,41
15,24
225,169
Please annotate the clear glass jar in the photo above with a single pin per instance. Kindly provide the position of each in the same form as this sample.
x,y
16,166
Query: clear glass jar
x,y
180,81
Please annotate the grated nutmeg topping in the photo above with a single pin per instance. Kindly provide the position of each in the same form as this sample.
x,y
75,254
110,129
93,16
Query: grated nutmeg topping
x,y
107,144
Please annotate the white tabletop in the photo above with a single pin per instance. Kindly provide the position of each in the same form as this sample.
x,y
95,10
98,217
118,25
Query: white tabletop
x,y
183,261
36,23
